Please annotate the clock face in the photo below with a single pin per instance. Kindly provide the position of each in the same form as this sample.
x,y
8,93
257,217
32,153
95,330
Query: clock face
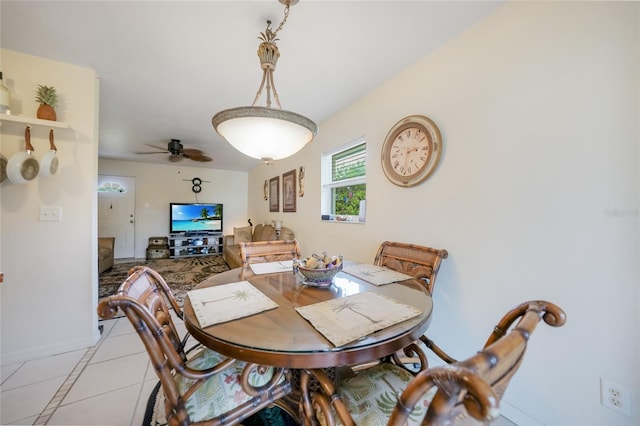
x,y
411,150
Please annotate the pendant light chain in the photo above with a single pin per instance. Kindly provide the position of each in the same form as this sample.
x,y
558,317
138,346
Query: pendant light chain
x,y
268,53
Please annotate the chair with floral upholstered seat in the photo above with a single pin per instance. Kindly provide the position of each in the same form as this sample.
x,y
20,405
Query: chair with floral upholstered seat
x,y
202,387
464,392
412,259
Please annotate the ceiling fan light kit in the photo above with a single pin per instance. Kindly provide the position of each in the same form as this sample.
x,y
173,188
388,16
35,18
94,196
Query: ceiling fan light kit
x,y
266,133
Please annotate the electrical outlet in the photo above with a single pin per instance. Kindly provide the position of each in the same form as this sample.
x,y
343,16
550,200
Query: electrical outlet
x,y
615,397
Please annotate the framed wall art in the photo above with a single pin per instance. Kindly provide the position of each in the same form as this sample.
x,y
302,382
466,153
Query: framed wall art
x,y
289,194
274,194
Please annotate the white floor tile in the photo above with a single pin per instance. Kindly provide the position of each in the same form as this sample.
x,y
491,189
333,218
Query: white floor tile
x,y
138,415
27,401
107,325
122,326
112,408
150,374
43,369
7,370
27,421
501,421
118,346
107,376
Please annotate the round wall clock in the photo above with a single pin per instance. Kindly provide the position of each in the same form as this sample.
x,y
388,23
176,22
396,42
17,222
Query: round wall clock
x,y
411,151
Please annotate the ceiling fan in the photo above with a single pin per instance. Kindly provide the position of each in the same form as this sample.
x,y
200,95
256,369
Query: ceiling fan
x,y
177,152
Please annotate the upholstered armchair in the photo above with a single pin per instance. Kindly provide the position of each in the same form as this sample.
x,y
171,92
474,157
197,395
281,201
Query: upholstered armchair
x,y
106,247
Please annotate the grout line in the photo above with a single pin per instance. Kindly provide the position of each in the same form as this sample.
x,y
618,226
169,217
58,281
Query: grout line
x,y
66,386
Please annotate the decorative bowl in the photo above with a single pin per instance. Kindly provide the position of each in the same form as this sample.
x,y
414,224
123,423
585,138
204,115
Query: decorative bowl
x,y
319,277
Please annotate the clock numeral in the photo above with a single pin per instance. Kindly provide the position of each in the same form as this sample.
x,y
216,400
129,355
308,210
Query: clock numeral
x,y
408,133
396,164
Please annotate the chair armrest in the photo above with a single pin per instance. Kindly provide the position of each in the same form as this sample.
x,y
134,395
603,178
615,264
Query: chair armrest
x,y
437,350
227,241
106,242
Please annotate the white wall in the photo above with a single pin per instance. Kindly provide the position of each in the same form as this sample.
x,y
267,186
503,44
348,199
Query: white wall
x,y
536,196
158,185
49,294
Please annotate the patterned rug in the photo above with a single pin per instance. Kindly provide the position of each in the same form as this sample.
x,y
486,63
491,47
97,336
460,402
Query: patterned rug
x,y
181,274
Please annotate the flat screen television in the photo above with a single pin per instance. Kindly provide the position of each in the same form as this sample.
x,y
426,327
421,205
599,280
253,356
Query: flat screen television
x,y
189,218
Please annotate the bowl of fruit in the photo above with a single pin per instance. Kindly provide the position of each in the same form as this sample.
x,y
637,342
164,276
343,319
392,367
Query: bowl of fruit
x,y
318,270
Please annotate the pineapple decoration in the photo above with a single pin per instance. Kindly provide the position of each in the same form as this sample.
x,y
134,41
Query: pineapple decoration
x,y
48,99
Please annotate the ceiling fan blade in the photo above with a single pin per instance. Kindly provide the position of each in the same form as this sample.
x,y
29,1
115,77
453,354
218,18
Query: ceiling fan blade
x,y
161,148
174,158
154,152
201,158
191,151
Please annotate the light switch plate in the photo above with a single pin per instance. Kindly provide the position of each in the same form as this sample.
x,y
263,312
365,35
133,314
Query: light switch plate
x,y
50,214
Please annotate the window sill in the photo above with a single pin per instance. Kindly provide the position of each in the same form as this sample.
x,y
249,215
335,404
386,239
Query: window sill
x,y
341,219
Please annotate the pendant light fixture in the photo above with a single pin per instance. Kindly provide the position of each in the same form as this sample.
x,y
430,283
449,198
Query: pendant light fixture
x,y
264,132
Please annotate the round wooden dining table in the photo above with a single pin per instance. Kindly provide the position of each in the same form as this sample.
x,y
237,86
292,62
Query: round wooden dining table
x,y
281,337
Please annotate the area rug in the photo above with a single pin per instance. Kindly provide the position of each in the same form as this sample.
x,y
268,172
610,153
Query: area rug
x,y
181,274
271,416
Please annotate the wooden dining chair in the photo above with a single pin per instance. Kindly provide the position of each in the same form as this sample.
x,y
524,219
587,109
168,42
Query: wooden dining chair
x,y
462,392
268,251
161,284
202,387
411,259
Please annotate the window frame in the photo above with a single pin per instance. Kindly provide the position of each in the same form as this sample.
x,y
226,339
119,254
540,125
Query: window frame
x,y
327,203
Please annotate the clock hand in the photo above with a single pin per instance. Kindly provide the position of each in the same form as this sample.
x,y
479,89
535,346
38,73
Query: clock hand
x,y
406,157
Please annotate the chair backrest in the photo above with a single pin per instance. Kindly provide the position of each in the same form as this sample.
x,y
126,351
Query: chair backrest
x,y
411,259
469,391
268,251
143,298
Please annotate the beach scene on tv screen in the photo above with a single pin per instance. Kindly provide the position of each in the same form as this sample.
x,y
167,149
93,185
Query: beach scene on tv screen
x,y
196,218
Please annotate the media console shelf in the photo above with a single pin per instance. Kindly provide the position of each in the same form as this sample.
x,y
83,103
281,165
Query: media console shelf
x,y
195,244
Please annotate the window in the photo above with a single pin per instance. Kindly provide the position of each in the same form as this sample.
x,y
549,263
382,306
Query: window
x,y
344,188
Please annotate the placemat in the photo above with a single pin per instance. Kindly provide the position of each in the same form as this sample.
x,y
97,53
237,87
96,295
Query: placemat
x,y
349,318
373,274
271,267
226,302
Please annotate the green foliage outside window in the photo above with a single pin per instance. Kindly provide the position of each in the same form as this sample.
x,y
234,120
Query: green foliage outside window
x,y
347,199
349,164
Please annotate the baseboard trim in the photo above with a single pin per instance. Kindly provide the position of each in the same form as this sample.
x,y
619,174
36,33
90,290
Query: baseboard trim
x,y
51,350
517,416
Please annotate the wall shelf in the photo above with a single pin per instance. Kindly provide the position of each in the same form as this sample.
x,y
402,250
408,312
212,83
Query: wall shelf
x,y
15,124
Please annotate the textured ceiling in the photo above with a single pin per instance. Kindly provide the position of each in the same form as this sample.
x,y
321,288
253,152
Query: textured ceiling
x,y
166,67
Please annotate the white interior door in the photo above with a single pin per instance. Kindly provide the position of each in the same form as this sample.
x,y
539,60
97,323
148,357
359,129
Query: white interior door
x,y
116,212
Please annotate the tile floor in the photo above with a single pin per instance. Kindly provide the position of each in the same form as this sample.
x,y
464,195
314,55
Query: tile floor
x,y
108,384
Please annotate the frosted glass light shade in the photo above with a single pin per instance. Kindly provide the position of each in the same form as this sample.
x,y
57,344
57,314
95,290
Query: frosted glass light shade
x,y
264,133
